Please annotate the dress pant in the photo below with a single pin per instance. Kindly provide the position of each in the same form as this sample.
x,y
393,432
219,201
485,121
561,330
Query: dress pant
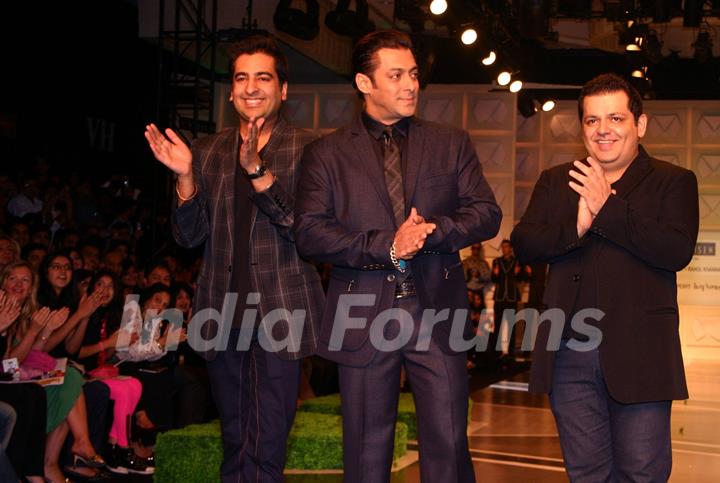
x,y
602,439
370,402
498,309
256,396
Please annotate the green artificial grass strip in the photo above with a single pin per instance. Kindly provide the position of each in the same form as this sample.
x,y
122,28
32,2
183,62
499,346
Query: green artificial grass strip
x,y
193,454
190,454
406,409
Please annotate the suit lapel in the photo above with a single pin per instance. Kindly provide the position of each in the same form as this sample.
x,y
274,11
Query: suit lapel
x,y
365,155
416,139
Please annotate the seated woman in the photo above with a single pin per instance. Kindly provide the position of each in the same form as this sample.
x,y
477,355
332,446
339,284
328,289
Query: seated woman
x,y
27,336
146,357
26,449
101,337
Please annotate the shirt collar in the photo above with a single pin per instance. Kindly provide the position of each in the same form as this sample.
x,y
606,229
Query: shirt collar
x,y
376,128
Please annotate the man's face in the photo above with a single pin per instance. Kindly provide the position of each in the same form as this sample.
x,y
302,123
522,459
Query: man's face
x,y
256,89
113,262
506,249
391,93
91,257
20,233
8,253
610,132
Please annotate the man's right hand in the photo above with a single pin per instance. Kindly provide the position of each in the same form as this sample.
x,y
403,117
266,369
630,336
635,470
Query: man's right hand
x,y
171,151
411,236
584,218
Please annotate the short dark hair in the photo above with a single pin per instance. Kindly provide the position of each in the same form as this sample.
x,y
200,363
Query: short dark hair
x,y
364,58
606,84
264,44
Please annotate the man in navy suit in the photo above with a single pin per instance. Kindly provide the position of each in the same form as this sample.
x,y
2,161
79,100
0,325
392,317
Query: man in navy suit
x,y
390,200
615,230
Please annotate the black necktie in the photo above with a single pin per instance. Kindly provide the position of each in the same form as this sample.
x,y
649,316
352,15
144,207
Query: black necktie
x,y
393,175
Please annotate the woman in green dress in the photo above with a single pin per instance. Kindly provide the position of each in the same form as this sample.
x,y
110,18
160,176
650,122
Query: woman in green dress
x,y
29,332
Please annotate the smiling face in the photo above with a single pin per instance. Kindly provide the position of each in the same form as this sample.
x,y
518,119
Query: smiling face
x,y
18,283
256,89
610,131
183,301
391,92
59,273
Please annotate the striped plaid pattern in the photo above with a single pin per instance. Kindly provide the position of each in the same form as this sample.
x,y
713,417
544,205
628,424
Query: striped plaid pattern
x,y
393,175
282,278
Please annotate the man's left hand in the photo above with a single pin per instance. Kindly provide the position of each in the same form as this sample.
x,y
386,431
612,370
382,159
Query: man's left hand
x,y
249,157
592,184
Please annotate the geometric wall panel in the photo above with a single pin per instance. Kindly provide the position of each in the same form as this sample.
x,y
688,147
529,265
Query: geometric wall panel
x,y
528,129
707,127
676,156
527,163
491,111
564,127
337,109
666,127
706,164
441,107
556,155
495,153
298,110
709,208
503,189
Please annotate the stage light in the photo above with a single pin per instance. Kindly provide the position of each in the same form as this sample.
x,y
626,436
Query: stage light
x,y
490,59
503,78
638,74
526,104
548,105
350,23
438,7
298,23
516,86
469,36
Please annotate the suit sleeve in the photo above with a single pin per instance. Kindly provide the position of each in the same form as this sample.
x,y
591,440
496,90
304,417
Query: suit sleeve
x,y
319,235
191,224
540,235
667,241
278,204
478,215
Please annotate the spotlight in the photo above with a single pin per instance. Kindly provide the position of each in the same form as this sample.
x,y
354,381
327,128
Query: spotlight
x,y
469,36
548,105
438,7
516,86
301,24
503,78
703,46
490,59
638,74
349,23
526,104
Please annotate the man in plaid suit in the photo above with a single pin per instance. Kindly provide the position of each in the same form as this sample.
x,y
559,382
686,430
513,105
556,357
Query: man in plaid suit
x,y
235,194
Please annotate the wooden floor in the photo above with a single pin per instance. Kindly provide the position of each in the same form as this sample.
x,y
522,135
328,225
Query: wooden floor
x,y
514,437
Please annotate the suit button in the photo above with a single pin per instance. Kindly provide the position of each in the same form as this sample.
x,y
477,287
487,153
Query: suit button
x,y
390,278
576,278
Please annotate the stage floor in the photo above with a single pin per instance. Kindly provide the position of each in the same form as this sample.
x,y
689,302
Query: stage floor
x,y
513,436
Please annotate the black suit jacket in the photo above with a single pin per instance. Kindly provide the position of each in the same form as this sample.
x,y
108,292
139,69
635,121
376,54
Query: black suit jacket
x,y
282,278
343,216
644,235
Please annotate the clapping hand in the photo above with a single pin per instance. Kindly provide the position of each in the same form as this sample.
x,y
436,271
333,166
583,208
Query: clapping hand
x,y
9,310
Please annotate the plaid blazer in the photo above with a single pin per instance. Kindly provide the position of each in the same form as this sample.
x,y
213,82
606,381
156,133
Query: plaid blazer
x,y
282,278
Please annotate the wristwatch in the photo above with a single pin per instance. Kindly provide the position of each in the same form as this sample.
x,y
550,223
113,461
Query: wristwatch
x,y
259,172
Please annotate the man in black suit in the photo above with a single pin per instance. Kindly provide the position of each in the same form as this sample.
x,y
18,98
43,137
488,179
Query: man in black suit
x,y
235,194
390,200
615,230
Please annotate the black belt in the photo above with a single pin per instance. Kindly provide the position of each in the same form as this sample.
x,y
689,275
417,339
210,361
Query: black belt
x,y
405,289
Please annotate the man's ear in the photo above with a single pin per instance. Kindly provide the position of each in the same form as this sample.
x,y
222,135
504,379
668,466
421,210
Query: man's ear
x,y
363,83
283,91
642,125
